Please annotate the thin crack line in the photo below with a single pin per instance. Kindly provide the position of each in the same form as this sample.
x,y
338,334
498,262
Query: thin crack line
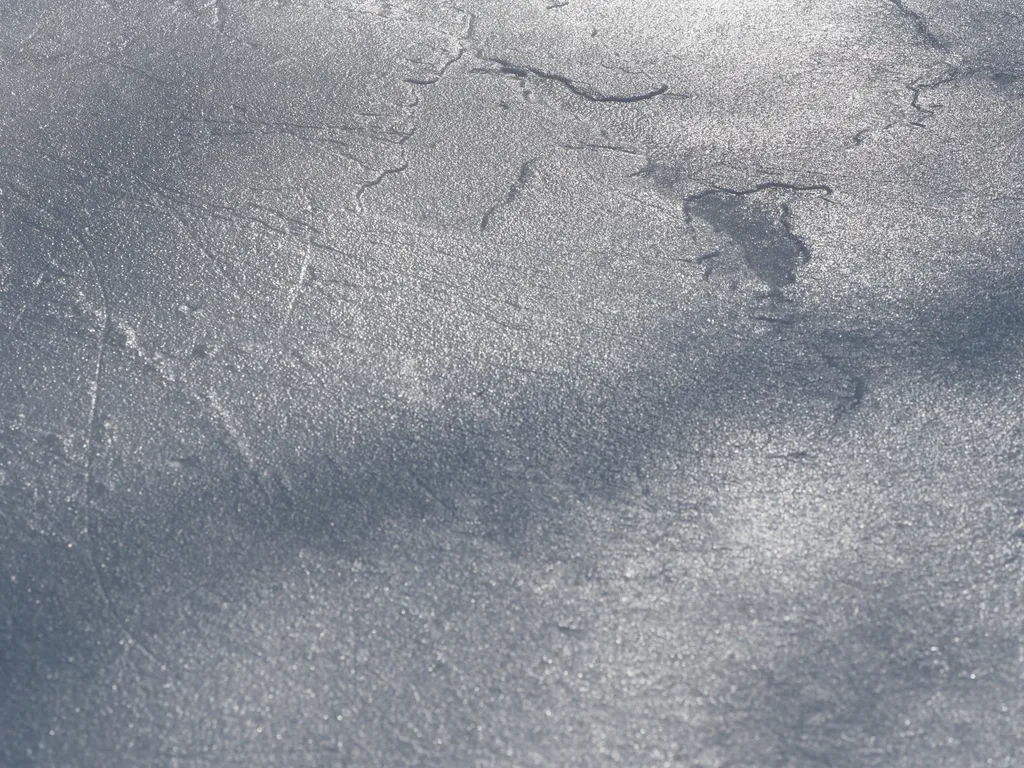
x,y
506,67
516,189
91,449
919,23
714,189
296,288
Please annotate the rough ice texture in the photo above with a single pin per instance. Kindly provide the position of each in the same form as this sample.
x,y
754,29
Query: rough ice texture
x,y
511,383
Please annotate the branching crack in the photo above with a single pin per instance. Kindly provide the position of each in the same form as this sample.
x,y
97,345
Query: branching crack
x,y
436,76
920,85
707,260
946,74
469,19
376,181
463,40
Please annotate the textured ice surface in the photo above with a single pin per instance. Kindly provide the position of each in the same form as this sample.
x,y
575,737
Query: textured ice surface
x,y
511,383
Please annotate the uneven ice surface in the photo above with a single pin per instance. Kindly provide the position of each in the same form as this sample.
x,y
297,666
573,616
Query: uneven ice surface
x,y
511,383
